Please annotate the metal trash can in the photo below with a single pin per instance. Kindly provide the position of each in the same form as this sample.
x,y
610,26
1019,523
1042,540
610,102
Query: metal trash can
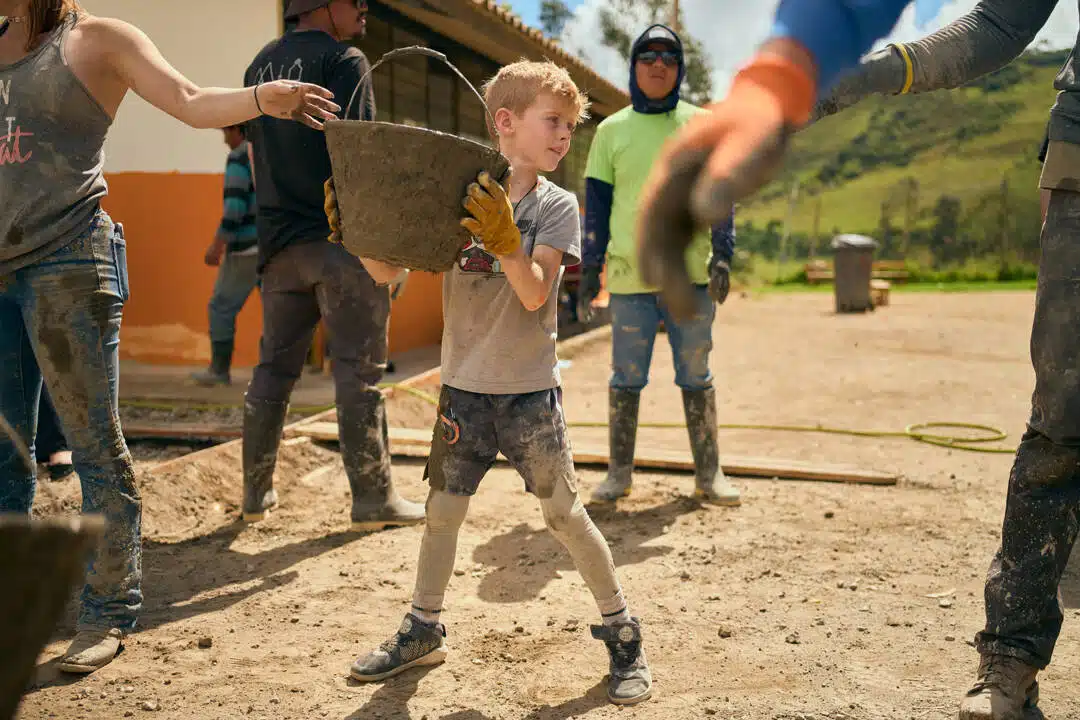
x,y
853,261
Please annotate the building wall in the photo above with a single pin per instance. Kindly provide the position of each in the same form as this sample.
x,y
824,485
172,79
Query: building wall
x,y
165,179
165,186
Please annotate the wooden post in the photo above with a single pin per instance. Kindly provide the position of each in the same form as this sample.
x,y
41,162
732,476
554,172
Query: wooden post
x,y
675,19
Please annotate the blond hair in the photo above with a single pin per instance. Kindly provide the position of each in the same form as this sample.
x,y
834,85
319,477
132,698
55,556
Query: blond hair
x,y
516,87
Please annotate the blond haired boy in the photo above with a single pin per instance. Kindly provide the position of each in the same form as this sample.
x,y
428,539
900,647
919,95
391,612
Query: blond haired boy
x,y
501,386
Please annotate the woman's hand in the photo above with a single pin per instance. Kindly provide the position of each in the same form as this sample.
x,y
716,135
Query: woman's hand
x,y
291,100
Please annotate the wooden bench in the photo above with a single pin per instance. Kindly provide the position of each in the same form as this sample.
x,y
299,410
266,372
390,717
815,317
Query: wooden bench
x,y
819,271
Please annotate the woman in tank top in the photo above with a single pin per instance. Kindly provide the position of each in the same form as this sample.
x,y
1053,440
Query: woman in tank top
x,y
63,270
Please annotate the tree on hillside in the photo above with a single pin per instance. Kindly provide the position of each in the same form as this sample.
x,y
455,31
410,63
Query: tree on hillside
x,y
946,228
553,17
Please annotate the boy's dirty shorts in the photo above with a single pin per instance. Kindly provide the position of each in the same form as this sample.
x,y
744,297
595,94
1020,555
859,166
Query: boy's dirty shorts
x,y
472,429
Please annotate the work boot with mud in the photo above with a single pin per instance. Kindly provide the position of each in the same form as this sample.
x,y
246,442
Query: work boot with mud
x,y
711,484
263,422
622,436
629,679
1005,689
414,644
220,363
365,451
91,650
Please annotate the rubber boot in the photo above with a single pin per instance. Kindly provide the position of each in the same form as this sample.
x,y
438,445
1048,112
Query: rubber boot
x,y
263,423
622,436
220,363
711,484
1005,689
365,451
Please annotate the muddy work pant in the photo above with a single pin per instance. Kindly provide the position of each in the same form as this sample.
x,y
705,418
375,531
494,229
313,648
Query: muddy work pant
x,y
1023,608
236,279
301,285
60,320
635,321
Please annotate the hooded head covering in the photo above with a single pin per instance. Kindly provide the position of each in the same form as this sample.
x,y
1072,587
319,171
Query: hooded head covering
x,y
656,34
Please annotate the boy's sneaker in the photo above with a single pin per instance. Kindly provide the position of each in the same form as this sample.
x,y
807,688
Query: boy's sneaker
x,y
630,681
414,644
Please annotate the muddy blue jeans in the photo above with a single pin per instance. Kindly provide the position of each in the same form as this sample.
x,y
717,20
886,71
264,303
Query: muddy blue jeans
x,y
60,319
1042,510
236,278
635,320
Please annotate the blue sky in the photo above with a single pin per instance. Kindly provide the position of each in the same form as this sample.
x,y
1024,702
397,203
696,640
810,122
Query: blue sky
x,y
529,10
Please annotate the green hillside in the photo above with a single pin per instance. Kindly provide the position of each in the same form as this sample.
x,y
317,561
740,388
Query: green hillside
x,y
960,144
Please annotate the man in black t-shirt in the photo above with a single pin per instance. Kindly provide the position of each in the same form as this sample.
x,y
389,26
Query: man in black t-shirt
x,y
304,278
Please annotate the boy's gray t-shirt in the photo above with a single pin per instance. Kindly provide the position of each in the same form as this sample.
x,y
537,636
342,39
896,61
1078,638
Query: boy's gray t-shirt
x,y
491,344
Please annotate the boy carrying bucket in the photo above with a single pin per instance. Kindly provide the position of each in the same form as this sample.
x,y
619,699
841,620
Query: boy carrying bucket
x,y
501,386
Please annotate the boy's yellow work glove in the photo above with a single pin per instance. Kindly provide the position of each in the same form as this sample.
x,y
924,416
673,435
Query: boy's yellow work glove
x,y
492,218
330,207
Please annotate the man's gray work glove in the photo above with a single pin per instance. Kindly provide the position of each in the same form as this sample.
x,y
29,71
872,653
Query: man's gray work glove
x,y
719,280
881,73
588,290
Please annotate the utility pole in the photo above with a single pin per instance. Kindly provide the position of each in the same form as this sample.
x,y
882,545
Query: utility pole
x,y
675,19
911,207
1003,223
792,201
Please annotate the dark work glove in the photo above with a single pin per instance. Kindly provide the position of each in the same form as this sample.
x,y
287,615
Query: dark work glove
x,y
588,290
719,281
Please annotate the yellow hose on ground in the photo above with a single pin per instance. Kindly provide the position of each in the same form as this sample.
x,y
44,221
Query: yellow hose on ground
x,y
919,432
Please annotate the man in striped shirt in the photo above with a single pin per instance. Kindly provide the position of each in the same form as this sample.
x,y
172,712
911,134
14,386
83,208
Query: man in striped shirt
x,y
235,253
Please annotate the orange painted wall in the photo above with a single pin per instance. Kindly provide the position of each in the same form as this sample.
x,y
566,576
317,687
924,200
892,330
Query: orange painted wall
x,y
169,219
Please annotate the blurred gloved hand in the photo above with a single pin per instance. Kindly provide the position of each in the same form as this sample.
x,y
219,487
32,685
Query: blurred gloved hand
x,y
719,280
716,159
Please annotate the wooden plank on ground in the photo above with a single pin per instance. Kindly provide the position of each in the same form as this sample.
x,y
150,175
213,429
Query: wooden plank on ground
x,y
179,431
412,442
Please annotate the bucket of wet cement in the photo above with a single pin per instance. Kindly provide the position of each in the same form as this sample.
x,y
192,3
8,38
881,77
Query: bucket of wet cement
x,y
400,188
42,561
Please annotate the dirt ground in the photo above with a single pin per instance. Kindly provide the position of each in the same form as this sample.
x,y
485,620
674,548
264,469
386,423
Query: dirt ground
x,y
809,602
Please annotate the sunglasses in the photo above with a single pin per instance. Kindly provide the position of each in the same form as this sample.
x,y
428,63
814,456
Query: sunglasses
x,y
670,58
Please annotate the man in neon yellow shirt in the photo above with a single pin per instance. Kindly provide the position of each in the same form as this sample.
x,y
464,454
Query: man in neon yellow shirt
x,y
620,159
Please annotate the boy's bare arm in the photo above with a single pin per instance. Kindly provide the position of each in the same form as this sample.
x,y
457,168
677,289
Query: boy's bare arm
x,y
532,277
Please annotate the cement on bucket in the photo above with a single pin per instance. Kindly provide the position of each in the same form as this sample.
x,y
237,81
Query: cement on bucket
x,y
42,562
400,188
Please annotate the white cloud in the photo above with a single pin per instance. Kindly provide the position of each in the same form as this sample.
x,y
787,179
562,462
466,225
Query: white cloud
x,y
732,29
